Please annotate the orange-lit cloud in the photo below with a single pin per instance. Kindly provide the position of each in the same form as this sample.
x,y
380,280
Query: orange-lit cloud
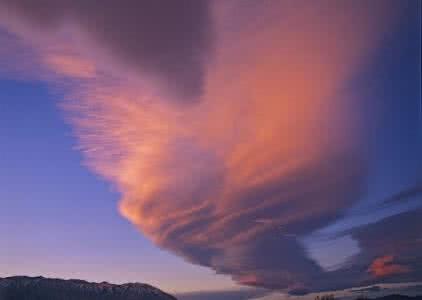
x,y
385,266
272,135
70,66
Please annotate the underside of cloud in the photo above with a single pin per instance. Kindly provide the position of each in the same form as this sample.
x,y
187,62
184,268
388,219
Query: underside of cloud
x,y
267,153
167,40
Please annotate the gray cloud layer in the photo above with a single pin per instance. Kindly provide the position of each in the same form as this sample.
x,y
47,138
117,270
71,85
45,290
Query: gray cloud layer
x,y
166,39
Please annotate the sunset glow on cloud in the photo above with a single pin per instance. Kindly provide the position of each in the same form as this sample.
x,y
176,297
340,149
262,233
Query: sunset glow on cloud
x,y
232,137
385,266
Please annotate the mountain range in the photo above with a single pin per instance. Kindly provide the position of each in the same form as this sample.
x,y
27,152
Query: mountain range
x,y
40,288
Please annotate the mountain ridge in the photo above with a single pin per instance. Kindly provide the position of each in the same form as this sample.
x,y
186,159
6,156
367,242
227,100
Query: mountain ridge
x,y
41,288
392,297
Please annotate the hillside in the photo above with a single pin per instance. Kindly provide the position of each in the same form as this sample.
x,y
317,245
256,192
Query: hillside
x,y
40,288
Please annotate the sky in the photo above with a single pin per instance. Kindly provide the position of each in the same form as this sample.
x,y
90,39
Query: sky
x,y
238,147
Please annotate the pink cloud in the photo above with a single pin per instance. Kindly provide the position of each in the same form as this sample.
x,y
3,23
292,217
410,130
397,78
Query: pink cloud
x,y
384,266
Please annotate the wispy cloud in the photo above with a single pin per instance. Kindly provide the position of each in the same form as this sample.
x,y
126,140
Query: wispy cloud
x,y
241,294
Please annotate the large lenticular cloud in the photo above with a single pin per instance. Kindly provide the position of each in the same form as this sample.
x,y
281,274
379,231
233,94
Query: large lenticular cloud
x,y
269,151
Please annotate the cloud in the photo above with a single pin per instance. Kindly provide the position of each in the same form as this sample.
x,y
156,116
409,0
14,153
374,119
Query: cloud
x,y
391,248
71,66
370,289
275,136
164,39
356,236
243,294
385,266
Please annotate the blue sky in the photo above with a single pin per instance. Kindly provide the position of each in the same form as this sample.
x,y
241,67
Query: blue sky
x,y
57,217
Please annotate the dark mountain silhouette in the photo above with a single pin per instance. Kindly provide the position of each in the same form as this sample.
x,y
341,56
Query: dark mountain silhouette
x,y
398,297
391,297
40,288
